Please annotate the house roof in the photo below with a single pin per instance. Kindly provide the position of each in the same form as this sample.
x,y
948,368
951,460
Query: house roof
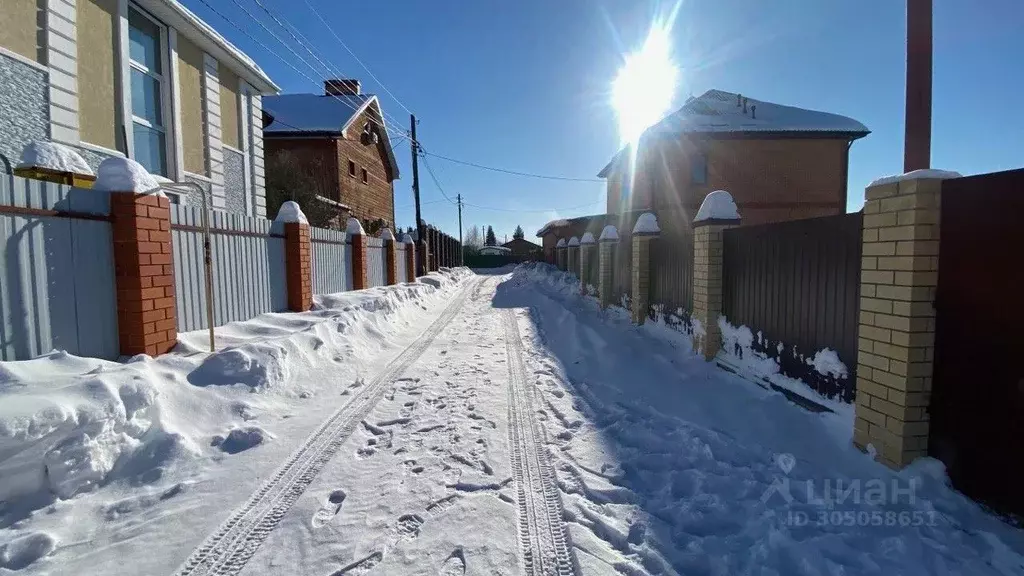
x,y
514,241
718,112
594,223
322,115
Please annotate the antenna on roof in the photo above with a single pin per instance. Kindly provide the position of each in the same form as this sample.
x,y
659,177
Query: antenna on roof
x,y
739,97
744,105
753,111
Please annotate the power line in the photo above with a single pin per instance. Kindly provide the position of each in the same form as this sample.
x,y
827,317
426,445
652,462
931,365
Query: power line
x,y
434,178
520,210
514,172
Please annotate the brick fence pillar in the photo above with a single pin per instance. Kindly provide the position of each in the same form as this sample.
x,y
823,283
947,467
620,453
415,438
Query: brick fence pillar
x,y
357,243
143,262
410,258
390,256
298,256
645,230
899,273
572,251
587,245
606,264
560,253
713,218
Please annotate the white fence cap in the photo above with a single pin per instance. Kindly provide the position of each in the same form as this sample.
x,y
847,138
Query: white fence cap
x,y
717,205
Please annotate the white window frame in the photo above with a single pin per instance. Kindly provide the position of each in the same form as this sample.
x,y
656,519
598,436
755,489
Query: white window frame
x,y
164,80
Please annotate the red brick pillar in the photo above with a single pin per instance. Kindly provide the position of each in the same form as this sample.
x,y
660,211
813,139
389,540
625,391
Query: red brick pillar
x,y
390,256
298,257
357,240
410,258
141,231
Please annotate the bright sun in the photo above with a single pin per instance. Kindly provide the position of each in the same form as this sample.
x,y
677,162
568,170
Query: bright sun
x,y
643,90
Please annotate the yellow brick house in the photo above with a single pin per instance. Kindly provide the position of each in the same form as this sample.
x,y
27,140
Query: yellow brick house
x,y
144,77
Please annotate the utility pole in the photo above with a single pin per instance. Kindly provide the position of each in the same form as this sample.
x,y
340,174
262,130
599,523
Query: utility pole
x,y
462,250
420,240
917,137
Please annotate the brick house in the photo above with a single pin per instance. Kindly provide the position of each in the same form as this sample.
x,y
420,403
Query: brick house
x,y
523,248
344,130
778,162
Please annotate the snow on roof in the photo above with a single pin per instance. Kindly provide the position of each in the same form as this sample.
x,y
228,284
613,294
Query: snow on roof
x,y
717,205
118,174
386,234
354,228
500,249
561,243
917,174
53,156
406,239
573,242
588,238
291,213
646,224
609,234
553,224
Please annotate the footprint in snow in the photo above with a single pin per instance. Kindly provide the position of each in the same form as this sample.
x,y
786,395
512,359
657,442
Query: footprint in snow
x,y
361,566
454,565
330,509
409,526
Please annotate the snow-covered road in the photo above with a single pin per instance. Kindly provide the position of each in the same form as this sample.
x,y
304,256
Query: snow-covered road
x,y
505,425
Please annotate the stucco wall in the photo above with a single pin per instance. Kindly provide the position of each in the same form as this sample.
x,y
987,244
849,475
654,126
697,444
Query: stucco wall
x,y
190,73
24,114
19,31
98,119
234,181
228,106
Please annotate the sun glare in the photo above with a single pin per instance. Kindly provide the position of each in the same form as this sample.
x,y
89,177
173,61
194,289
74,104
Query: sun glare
x,y
643,90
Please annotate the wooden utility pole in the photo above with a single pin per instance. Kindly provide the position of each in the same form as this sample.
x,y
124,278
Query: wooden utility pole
x,y
917,142
420,240
461,249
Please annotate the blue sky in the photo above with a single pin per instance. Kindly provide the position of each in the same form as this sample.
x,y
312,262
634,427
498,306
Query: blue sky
x,y
525,85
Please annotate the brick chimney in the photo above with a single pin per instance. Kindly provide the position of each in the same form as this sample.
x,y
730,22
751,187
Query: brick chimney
x,y
341,87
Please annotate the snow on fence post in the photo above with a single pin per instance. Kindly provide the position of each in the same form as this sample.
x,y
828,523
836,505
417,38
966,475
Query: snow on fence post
x,y
390,257
410,258
717,213
298,254
560,256
586,262
645,230
896,337
357,239
143,259
606,264
572,249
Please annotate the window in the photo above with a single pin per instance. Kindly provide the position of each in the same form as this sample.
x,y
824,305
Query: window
x,y
351,168
699,168
146,83
365,176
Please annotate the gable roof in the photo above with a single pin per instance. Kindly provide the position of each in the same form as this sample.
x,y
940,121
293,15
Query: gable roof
x,y
718,111
322,115
514,241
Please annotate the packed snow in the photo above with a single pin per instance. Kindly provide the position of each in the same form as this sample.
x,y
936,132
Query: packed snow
x,y
551,225
588,238
53,156
919,174
117,174
827,363
717,205
609,234
646,224
291,213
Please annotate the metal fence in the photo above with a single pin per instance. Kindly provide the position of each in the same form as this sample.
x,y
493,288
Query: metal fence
x,y
671,271
798,283
57,266
332,261
248,268
400,263
375,263
622,265
593,264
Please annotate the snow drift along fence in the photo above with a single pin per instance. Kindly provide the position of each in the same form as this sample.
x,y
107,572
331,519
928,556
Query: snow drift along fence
x,y
56,271
375,263
798,283
331,260
248,268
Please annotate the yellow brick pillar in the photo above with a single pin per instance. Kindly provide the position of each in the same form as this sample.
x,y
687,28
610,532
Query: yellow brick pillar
x,y
899,273
717,213
645,230
587,244
606,264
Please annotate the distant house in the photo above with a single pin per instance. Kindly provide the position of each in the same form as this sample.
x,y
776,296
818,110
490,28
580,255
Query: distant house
x,y
343,129
522,248
146,77
778,162
495,251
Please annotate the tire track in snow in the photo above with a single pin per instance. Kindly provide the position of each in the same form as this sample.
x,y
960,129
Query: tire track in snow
x,y
226,551
542,534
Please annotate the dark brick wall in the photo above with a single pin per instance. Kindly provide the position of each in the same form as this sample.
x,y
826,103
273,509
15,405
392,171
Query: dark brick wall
x,y
376,198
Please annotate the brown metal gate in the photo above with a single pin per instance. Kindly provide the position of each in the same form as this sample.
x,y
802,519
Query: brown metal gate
x,y
977,405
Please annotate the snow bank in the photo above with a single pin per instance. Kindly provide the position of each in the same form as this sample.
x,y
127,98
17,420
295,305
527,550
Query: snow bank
x,y
646,224
291,213
916,175
53,156
827,363
717,205
118,174
609,234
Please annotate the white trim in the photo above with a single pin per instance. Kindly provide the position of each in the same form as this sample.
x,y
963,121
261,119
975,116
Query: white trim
x,y
123,87
206,179
100,149
23,59
62,68
232,149
244,119
174,74
214,142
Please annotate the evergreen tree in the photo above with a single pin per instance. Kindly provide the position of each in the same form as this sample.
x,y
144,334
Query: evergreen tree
x,y
518,234
491,240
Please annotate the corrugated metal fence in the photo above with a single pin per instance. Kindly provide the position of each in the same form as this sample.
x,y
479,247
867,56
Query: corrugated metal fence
x,y
248,268
798,283
403,271
671,271
332,261
375,263
622,277
57,266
